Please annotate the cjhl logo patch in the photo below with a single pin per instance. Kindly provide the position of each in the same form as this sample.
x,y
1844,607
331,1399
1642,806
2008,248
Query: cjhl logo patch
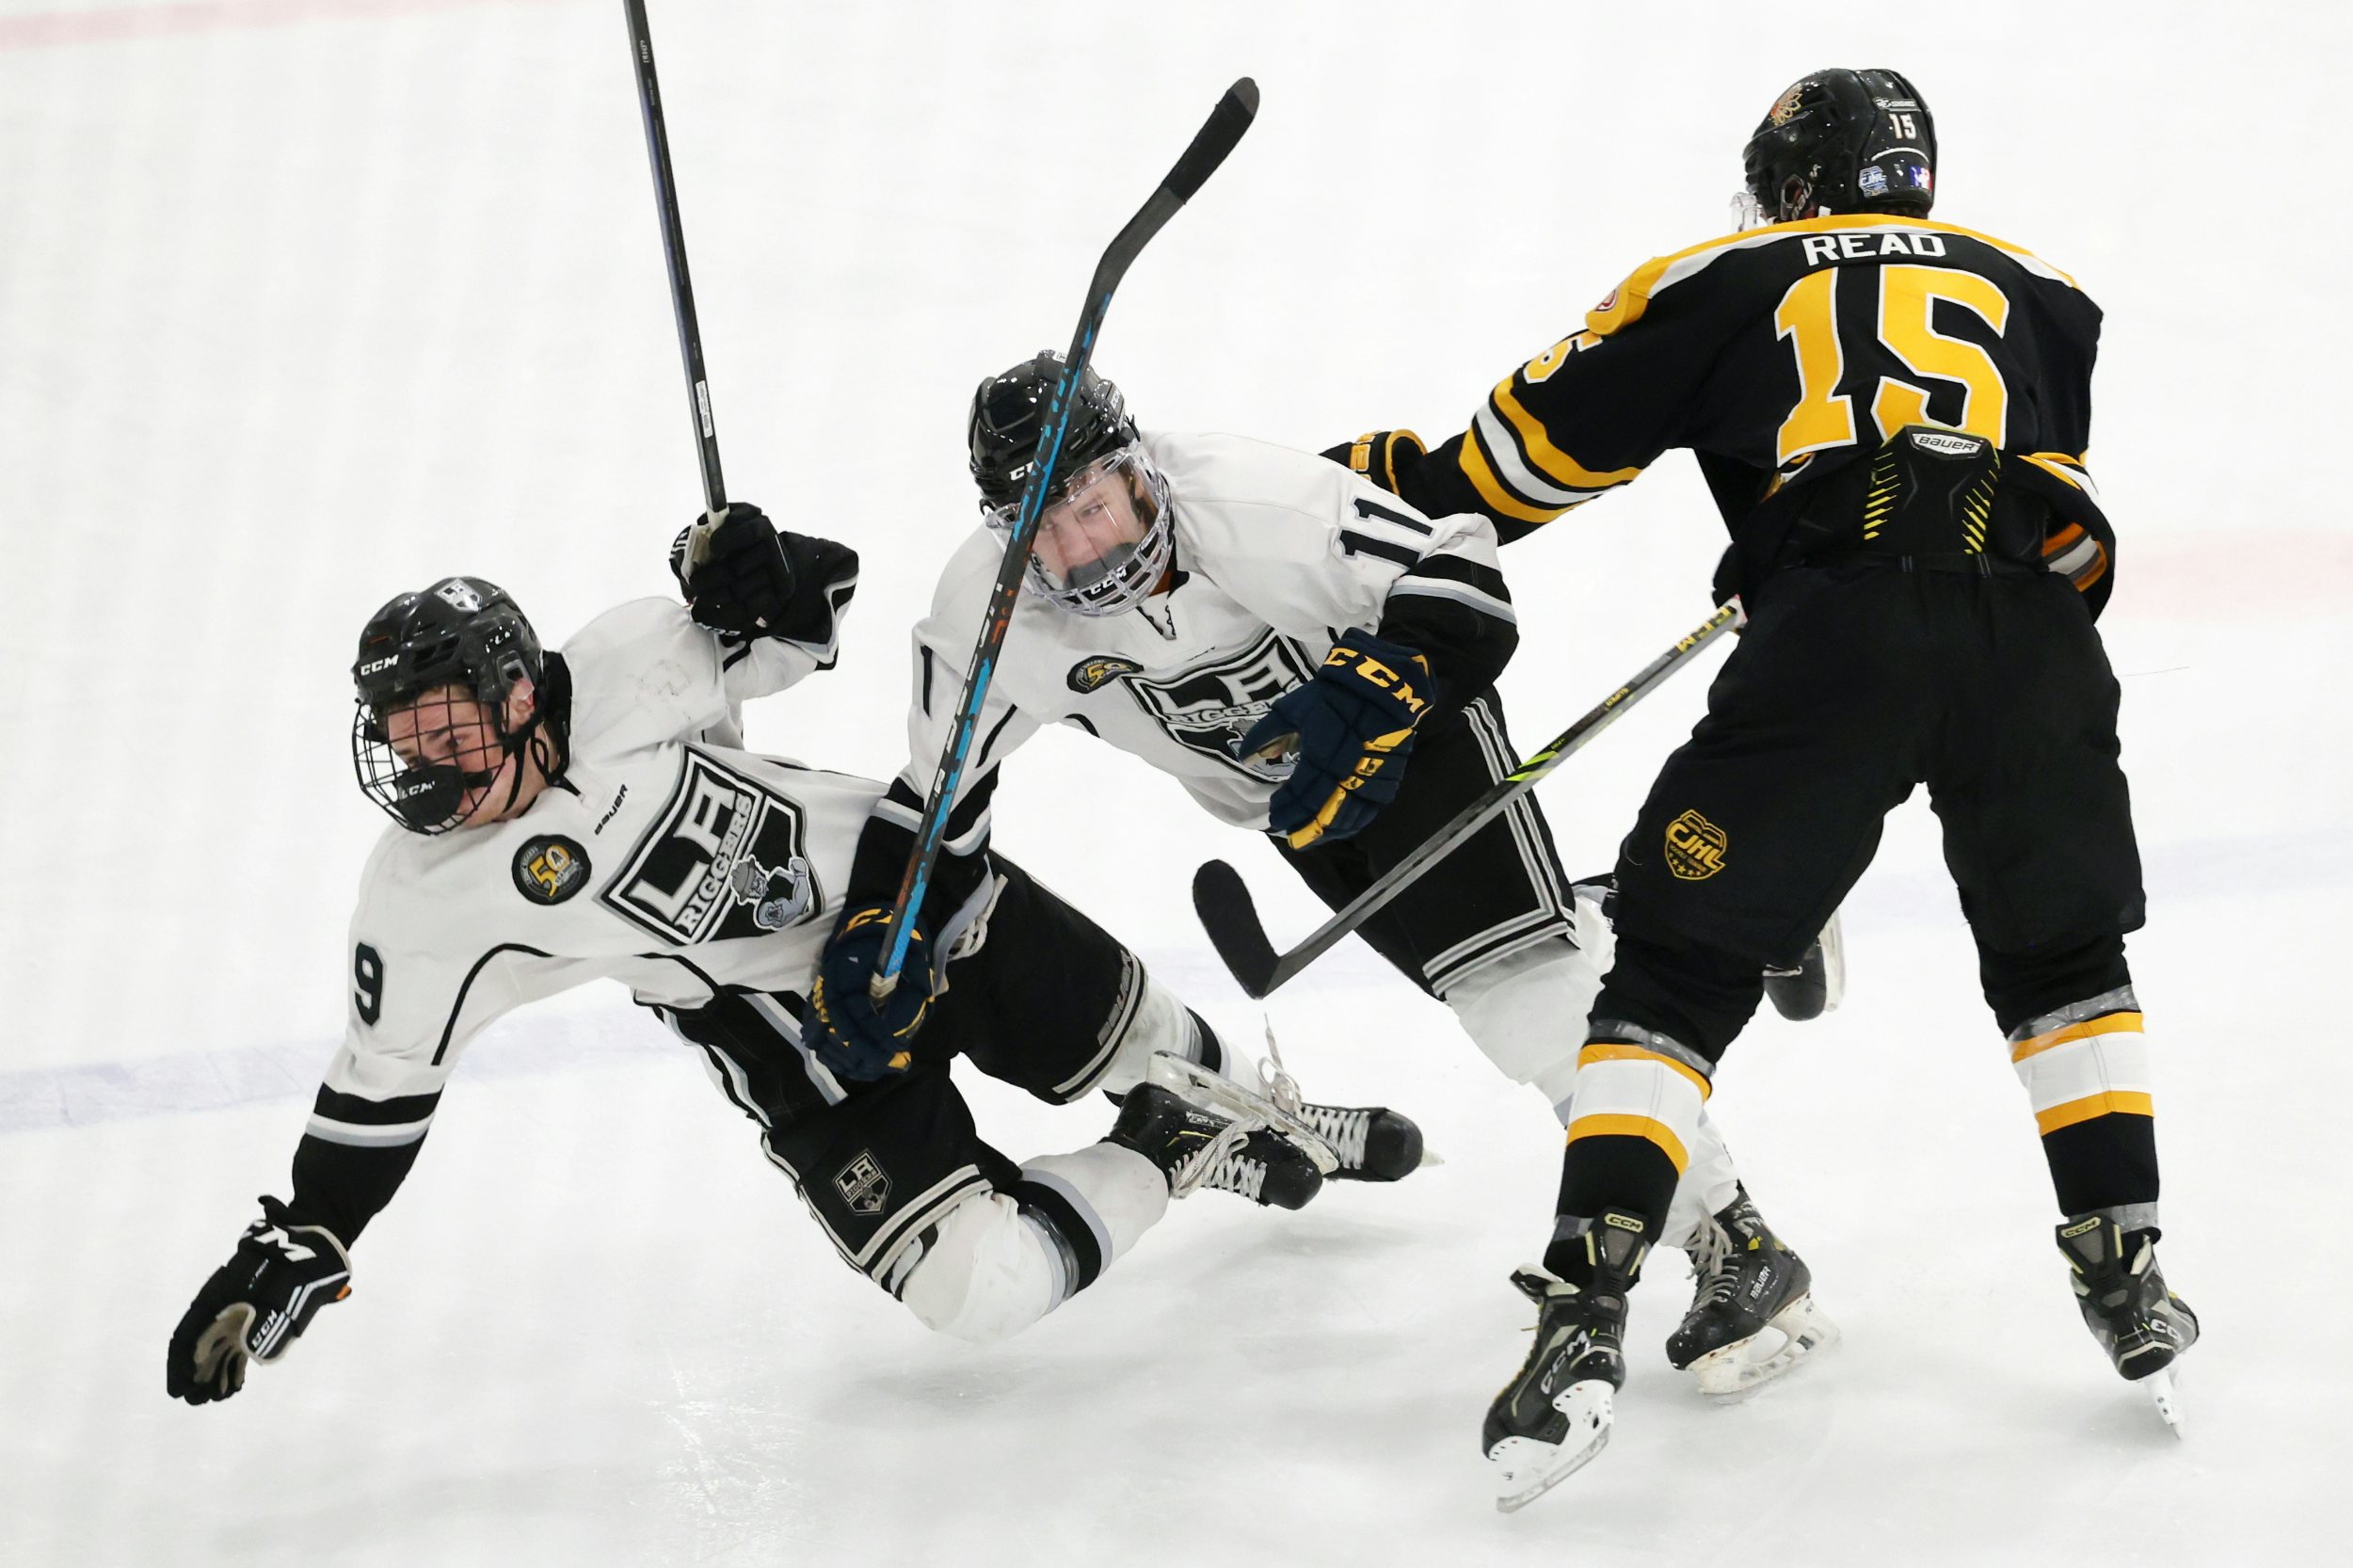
x,y
863,1184
1695,847
1209,709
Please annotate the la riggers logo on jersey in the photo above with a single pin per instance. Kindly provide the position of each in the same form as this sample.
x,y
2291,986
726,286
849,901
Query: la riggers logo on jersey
x,y
863,1184
551,869
724,857
1695,847
1209,707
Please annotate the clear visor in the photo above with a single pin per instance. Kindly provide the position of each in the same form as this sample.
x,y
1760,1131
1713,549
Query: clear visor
x,y
1746,212
1093,534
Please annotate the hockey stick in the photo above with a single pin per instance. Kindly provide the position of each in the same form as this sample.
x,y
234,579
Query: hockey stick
x,y
1222,899
1211,144
690,338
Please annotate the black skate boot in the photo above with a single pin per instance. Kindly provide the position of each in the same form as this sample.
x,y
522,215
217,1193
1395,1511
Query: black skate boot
x,y
1373,1142
1554,1415
1197,1149
2143,1325
1748,1283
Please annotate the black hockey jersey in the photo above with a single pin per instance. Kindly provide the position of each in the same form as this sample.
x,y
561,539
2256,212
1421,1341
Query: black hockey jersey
x,y
1777,354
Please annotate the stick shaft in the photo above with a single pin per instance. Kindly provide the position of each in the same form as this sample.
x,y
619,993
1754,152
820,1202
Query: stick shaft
x,y
690,341
1210,146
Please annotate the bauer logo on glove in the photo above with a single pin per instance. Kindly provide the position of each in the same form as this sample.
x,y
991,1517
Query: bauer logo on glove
x,y
1349,729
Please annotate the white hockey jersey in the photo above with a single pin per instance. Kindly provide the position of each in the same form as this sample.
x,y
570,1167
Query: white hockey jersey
x,y
1278,554
665,858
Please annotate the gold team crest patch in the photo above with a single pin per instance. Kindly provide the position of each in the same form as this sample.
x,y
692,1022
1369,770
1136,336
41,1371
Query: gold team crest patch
x,y
1695,847
1087,674
1786,106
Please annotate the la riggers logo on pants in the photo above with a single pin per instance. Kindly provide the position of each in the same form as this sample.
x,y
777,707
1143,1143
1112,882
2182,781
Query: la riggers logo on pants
x,y
1695,847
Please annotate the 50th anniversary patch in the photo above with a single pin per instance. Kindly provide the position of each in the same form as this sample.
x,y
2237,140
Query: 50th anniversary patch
x,y
551,869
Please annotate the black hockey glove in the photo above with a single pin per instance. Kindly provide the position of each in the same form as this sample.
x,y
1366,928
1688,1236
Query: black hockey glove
x,y
1380,455
255,1305
1352,725
856,1035
760,581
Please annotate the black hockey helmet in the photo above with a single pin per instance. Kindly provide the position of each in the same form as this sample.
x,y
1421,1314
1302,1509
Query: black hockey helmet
x,y
461,632
1009,414
1843,141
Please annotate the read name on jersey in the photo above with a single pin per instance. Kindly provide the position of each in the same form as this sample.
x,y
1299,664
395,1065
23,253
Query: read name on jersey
x,y
727,857
1211,706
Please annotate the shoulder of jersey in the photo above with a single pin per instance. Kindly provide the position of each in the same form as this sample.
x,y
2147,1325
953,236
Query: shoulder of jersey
x,y
1783,249
1211,474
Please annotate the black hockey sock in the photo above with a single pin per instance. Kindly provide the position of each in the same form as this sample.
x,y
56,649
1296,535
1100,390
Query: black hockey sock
x,y
1605,1172
2104,1165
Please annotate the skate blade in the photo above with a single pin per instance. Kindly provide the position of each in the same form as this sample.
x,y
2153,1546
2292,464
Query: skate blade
x,y
1196,1083
1531,1469
2165,1396
1733,1372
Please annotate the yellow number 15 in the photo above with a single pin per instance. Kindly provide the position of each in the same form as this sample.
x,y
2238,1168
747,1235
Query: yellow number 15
x,y
1824,417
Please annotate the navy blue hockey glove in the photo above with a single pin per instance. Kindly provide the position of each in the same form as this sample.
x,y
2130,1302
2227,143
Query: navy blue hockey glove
x,y
757,581
255,1305
1380,455
1351,727
856,1035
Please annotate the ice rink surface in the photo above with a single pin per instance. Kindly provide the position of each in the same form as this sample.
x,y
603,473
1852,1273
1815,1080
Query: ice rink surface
x,y
305,302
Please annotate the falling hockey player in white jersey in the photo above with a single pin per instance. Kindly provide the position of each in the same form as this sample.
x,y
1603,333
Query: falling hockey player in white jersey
x,y
589,814
1193,599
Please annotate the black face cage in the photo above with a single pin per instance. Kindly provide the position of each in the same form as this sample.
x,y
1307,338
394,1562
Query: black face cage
x,y
430,797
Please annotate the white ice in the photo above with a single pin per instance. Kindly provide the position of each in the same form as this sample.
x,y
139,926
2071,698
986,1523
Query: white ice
x,y
302,302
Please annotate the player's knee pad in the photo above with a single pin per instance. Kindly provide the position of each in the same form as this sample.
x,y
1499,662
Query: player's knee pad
x,y
1700,996
1527,1011
1002,1259
2023,986
986,1272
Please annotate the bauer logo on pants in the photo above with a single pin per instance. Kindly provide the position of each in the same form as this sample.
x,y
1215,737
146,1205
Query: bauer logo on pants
x,y
863,1184
1695,847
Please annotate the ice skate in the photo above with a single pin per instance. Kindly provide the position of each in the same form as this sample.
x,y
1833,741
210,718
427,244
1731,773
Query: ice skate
x,y
1818,982
1753,1314
1196,1149
2143,1326
1554,1415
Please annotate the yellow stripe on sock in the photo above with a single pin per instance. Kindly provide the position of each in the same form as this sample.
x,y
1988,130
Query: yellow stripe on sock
x,y
2114,1023
2126,1102
1609,1125
1618,1051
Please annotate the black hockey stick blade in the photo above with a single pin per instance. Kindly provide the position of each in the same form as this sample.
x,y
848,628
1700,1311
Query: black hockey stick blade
x,y
1242,941
1217,137
1222,900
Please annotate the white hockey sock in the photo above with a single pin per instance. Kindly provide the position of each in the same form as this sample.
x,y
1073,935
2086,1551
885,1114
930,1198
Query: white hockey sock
x,y
1163,1023
1002,1259
1709,1184
1527,1011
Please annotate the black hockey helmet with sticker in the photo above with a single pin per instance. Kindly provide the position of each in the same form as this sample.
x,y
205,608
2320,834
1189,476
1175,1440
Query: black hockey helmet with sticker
x,y
461,632
1009,412
1842,141
1104,535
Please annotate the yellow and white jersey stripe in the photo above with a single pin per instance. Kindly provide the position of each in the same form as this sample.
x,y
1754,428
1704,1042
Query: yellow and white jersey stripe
x,y
1646,1087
